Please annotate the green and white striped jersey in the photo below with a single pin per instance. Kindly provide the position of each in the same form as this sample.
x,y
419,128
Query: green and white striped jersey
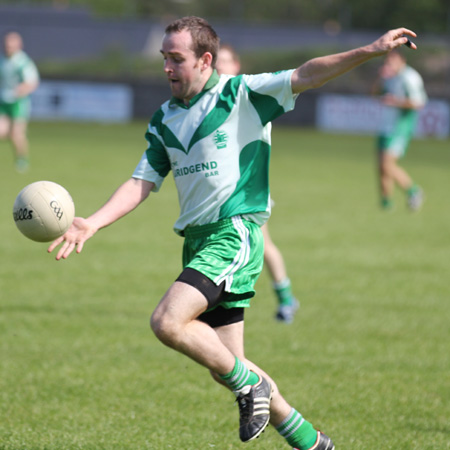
x,y
15,70
407,84
218,147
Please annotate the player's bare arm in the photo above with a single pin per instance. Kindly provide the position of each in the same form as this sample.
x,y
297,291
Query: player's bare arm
x,y
318,71
124,200
403,103
26,88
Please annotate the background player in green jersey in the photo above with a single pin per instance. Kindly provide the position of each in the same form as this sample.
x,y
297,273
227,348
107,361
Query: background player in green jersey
x,y
19,77
403,95
228,62
194,316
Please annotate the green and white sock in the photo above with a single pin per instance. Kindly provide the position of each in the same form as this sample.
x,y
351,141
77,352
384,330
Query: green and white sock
x,y
412,190
387,203
22,164
297,431
283,291
240,376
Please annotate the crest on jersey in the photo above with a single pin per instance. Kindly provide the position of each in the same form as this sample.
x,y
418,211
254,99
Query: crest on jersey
x,y
220,139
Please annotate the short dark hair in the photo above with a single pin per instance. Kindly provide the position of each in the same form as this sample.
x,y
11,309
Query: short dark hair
x,y
11,31
204,38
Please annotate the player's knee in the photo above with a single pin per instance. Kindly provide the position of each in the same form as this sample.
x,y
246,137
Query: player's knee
x,y
157,324
165,328
4,133
387,166
4,128
18,138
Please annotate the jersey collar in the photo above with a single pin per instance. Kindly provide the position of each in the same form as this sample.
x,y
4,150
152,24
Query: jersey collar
x,y
212,81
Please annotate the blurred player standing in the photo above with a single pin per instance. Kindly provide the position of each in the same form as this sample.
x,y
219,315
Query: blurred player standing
x,y
403,95
19,77
213,135
228,62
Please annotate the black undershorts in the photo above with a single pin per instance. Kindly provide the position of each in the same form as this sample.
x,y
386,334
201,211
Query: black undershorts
x,y
218,316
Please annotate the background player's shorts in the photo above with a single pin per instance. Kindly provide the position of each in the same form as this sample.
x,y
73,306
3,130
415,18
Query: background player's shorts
x,y
20,109
397,141
395,145
230,251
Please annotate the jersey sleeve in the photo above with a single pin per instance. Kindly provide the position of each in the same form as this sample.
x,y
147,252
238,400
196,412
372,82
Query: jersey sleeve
x,y
30,72
154,164
271,94
415,89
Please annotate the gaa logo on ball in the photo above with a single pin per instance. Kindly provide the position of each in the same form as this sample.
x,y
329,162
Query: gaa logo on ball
x,y
43,211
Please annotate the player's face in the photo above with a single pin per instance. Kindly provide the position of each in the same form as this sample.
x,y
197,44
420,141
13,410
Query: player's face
x,y
181,65
226,63
393,64
12,44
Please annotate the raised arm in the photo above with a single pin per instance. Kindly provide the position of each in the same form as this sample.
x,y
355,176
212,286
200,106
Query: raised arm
x,y
318,71
124,200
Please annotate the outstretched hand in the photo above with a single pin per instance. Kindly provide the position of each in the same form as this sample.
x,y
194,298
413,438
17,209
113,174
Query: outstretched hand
x,y
393,39
75,237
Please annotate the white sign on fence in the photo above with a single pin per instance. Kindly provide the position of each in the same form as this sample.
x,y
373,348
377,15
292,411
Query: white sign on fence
x,y
84,101
362,114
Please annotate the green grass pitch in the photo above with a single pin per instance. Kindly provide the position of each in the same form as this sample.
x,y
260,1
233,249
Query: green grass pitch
x,y
367,359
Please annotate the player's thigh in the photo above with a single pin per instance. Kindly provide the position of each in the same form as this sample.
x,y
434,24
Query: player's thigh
x,y
265,231
180,304
5,126
388,161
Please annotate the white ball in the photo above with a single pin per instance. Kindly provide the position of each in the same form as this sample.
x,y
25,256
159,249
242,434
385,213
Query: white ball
x,y
43,211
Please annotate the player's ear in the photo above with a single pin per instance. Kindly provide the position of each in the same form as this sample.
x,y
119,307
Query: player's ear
x,y
206,60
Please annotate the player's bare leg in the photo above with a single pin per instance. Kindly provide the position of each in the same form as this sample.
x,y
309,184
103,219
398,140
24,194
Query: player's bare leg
x,y
273,260
19,141
282,415
390,175
273,257
5,126
233,337
175,323
386,181
397,173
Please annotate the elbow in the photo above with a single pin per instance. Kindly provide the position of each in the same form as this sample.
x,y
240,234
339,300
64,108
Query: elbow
x,y
141,188
316,83
146,189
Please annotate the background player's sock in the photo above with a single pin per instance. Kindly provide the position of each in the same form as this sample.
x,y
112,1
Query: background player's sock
x,y
387,203
283,291
412,190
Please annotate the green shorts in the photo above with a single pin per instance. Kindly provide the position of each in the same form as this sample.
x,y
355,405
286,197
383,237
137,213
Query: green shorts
x,y
20,109
230,251
396,143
